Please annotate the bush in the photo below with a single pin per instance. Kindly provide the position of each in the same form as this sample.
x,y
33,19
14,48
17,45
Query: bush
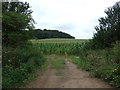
x,y
19,65
104,64
14,39
116,52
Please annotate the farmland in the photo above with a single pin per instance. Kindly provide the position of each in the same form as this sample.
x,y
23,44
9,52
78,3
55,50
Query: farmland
x,y
88,60
30,59
59,46
59,40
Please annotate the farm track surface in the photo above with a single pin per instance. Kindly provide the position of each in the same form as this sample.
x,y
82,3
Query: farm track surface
x,y
68,77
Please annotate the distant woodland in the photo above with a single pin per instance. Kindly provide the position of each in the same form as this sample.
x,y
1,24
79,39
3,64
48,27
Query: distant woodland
x,y
43,34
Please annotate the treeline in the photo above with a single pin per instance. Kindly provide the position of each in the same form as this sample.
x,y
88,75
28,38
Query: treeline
x,y
44,34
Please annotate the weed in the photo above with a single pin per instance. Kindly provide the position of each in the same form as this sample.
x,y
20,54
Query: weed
x,y
19,65
58,63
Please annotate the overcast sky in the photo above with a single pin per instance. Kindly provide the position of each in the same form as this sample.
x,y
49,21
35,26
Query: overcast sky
x,y
75,17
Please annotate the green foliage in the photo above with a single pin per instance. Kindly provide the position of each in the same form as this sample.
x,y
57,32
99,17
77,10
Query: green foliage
x,y
16,18
80,63
43,34
103,64
19,65
15,39
108,31
116,52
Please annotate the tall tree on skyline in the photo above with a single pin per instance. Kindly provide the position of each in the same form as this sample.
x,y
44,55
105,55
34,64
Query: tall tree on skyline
x,y
108,31
16,18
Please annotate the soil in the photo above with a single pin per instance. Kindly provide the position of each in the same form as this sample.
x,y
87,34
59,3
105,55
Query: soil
x,y
68,77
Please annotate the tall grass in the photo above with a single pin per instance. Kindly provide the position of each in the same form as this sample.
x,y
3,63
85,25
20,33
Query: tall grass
x,y
104,64
19,65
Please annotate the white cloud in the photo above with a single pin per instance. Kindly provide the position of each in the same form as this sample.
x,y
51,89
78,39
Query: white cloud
x,y
76,17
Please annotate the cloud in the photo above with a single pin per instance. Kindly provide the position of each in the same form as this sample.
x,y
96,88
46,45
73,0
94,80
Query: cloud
x,y
76,17
65,26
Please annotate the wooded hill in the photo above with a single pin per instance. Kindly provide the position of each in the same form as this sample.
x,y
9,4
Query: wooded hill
x,y
43,34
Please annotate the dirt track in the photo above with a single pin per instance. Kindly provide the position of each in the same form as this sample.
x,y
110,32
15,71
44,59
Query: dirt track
x,y
69,77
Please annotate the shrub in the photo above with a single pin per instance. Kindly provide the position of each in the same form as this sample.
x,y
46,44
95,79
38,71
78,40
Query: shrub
x,y
104,63
19,65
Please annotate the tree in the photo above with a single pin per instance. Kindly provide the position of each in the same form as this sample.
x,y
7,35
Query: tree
x,y
15,21
43,34
108,31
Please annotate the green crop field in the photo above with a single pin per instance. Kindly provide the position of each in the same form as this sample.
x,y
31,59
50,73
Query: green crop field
x,y
88,59
59,40
59,46
103,64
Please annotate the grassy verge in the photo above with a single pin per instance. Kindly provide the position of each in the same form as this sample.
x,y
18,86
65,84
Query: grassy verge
x,y
80,63
104,64
19,65
57,62
44,67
